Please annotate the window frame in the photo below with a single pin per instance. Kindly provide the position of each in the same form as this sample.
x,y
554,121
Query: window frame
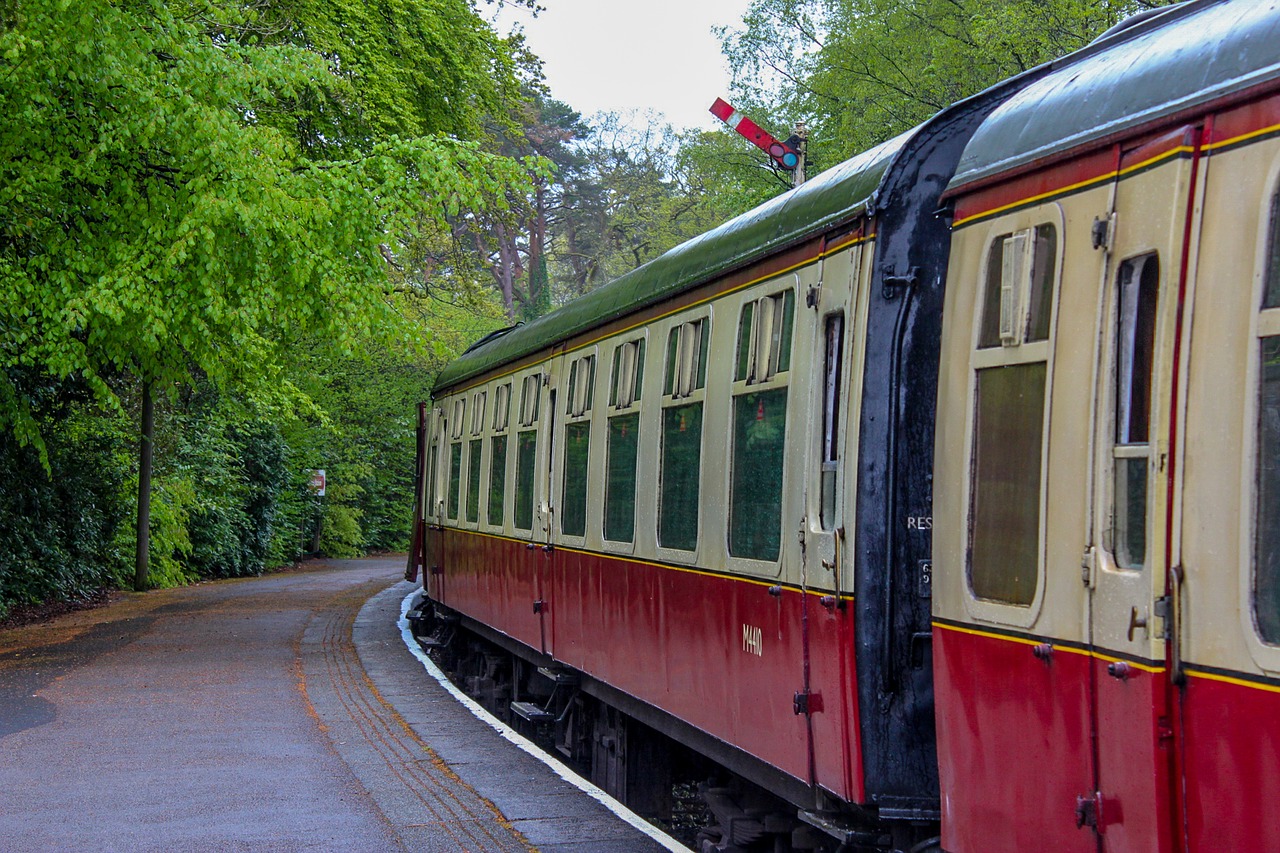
x,y
999,355
677,393
581,401
1264,323
620,405
748,381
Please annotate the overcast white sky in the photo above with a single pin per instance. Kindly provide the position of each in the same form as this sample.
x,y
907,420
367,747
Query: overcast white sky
x,y
633,54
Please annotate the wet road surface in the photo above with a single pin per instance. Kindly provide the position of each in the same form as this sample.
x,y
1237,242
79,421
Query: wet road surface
x,y
276,713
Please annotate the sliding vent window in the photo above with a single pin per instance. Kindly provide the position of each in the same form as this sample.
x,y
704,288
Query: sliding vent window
x,y
628,374
530,393
577,446
686,359
681,467
1138,287
623,442
1010,364
1018,293
760,427
582,381
501,407
764,338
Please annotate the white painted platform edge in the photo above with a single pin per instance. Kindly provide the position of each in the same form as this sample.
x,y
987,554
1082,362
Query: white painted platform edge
x,y
524,743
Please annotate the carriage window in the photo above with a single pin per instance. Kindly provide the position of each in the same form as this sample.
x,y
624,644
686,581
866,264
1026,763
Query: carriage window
x,y
577,448
1138,289
459,410
759,436
832,361
582,380
686,359
473,479
477,413
530,390
620,478
1005,515
526,460
497,479
501,406
1018,291
681,472
764,337
455,477
628,374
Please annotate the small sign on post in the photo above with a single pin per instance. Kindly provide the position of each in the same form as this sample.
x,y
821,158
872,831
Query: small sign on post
x,y
318,482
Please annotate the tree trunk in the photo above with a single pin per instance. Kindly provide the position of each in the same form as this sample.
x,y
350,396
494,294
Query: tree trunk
x,y
144,489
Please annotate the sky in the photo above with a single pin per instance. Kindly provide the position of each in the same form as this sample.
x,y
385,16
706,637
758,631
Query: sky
x,y
624,55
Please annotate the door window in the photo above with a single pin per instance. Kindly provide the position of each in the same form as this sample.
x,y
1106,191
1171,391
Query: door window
x,y
1009,398
1138,287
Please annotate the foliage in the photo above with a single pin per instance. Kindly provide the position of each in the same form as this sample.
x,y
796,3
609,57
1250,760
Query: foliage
x,y
403,68
58,525
151,223
189,191
862,71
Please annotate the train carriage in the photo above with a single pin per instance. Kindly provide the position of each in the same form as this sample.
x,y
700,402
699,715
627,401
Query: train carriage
x,y
704,489
1105,618
938,495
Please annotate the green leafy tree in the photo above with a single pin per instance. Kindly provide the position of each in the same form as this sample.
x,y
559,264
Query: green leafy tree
x,y
159,220
862,71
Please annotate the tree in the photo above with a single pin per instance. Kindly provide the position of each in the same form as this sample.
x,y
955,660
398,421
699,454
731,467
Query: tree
x,y
158,220
862,71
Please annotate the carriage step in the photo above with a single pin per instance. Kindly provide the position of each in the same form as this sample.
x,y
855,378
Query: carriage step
x,y
559,676
531,712
435,641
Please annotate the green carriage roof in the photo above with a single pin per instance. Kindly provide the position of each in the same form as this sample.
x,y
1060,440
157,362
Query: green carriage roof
x,y
834,196
1188,55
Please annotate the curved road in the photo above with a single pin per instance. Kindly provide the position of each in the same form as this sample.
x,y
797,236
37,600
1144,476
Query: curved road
x,y
235,715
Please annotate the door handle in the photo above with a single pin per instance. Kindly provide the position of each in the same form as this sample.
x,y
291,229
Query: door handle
x,y
1136,621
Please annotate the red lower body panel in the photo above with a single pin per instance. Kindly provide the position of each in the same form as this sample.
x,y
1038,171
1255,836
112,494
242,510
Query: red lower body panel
x,y
1013,744
1232,761
720,653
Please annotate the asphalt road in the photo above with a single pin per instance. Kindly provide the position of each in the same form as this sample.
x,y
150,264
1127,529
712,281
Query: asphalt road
x,y
226,716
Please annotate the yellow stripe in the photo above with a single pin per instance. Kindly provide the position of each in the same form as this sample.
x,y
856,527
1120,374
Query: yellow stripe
x,y
1026,641
1242,137
635,562
1227,679
807,262
1070,188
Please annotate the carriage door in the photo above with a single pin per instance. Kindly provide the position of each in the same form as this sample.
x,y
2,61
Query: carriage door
x,y
829,317
546,508
1126,565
